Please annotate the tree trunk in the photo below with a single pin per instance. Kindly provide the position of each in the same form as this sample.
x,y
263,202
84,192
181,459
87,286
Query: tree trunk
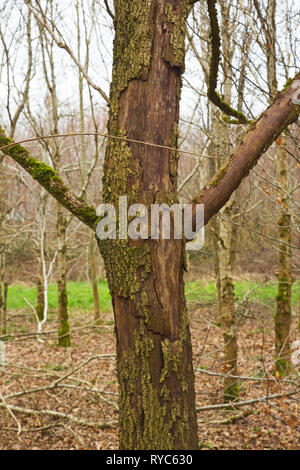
x,y
226,255
299,311
40,299
223,244
63,321
3,297
3,307
283,299
93,277
154,354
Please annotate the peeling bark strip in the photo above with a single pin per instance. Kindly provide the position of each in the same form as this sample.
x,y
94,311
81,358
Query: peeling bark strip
x,y
262,133
154,356
50,180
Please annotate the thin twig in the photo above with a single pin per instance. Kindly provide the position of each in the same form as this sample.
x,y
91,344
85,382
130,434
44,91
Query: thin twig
x,y
246,402
58,414
5,405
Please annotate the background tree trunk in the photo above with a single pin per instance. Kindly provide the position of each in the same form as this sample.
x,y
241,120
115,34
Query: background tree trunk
x,y
40,300
283,299
226,257
223,232
64,338
223,243
93,277
3,297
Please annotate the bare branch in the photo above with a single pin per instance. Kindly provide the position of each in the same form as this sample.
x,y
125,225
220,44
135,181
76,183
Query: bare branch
x,y
254,144
247,402
58,414
25,93
64,46
214,65
109,10
3,404
50,180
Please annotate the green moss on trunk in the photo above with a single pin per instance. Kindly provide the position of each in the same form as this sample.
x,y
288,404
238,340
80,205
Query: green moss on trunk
x,y
154,417
50,180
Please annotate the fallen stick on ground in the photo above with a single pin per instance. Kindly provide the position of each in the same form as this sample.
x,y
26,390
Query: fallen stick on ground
x,y
231,419
246,402
58,414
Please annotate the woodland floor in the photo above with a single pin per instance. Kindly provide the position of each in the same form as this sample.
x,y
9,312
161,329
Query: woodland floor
x,y
80,383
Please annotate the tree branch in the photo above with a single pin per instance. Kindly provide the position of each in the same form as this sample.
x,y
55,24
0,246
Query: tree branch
x,y
213,95
63,45
27,79
109,10
246,402
260,136
59,414
50,180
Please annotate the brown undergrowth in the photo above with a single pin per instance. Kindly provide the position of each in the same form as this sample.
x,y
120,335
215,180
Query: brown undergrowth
x,y
53,398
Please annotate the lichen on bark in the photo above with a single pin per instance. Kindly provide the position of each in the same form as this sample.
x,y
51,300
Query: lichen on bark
x,y
38,170
176,18
174,157
127,265
118,168
166,419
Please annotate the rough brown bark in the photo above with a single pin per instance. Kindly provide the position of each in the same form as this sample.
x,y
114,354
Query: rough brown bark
x,y
154,355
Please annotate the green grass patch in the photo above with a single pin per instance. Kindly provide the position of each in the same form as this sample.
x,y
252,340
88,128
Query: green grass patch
x,y
264,293
80,294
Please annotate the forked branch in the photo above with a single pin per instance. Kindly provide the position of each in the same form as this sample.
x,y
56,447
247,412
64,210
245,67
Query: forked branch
x,y
213,95
260,136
